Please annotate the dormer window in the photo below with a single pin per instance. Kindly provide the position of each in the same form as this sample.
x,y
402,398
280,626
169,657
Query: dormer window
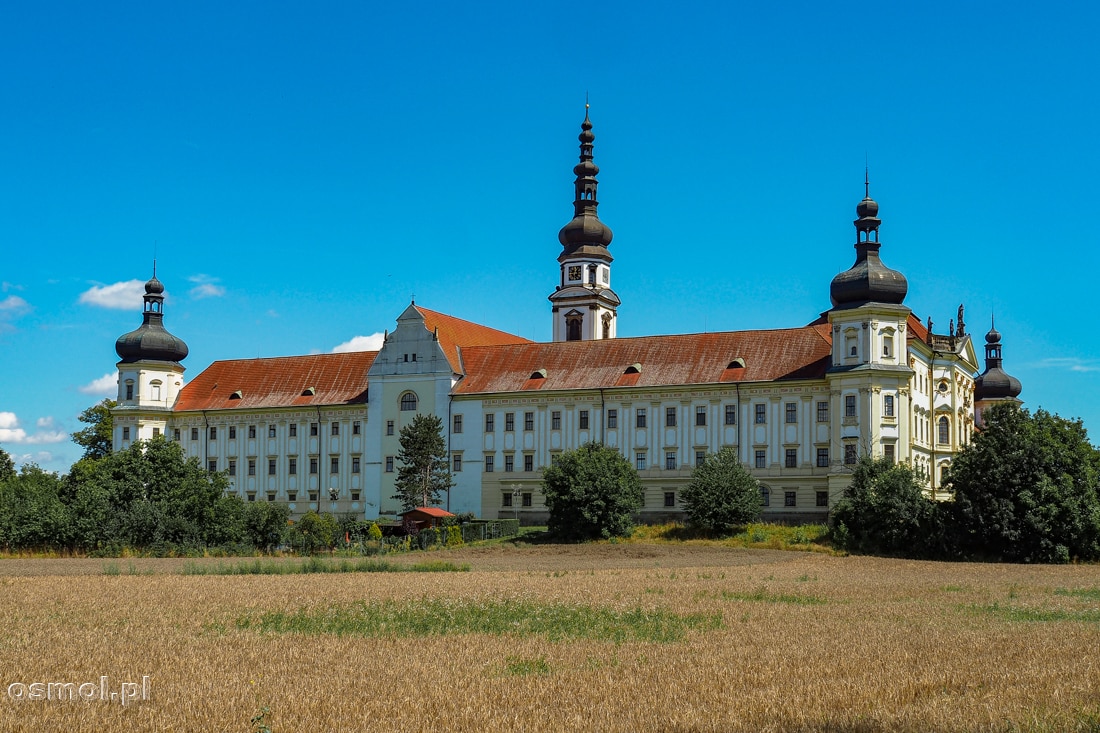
x,y
633,369
737,363
309,391
538,374
236,395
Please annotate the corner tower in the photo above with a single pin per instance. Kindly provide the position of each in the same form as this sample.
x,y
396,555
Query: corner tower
x,y
150,374
583,304
994,384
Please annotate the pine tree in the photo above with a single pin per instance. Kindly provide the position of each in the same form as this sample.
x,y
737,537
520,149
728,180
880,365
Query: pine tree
x,y
422,472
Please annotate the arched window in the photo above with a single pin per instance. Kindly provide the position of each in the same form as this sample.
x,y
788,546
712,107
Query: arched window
x,y
408,401
944,430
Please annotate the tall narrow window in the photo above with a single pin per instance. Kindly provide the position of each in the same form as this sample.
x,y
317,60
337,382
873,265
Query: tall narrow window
x,y
509,422
700,415
761,459
888,405
489,427
670,460
555,420
823,411
761,414
456,424
582,420
292,430
731,414
639,417
252,431
791,412
791,458
670,417
849,405
612,419
272,431
336,428
292,466
944,430
528,421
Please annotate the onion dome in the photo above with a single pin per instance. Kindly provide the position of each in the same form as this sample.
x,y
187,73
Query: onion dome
x,y
868,280
994,383
585,233
151,342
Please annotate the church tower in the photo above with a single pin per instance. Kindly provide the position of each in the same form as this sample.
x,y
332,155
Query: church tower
x,y
583,304
150,374
994,384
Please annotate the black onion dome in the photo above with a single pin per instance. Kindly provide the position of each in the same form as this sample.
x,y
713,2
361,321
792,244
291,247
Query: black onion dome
x,y
868,280
584,229
151,341
995,383
585,233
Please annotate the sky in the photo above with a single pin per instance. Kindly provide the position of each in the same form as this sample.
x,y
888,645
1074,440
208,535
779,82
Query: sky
x,y
299,172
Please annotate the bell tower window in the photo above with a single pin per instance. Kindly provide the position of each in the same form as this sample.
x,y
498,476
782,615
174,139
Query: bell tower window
x,y
573,328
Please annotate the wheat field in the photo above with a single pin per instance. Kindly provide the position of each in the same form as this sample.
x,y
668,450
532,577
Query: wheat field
x,y
595,637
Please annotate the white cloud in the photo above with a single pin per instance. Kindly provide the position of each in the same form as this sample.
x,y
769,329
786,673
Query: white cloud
x,y
207,290
41,458
1070,363
361,343
6,286
105,386
12,433
14,304
124,295
44,422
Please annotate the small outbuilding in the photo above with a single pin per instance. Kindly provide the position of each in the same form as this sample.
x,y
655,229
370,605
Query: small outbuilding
x,y
427,516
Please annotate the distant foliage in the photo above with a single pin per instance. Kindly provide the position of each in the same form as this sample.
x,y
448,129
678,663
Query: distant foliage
x,y
884,512
1026,489
722,493
591,493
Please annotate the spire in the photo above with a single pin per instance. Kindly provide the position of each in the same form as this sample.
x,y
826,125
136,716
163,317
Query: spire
x,y
586,234
994,383
151,341
868,280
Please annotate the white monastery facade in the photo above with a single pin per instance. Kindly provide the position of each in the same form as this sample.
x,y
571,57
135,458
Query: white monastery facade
x,y
800,405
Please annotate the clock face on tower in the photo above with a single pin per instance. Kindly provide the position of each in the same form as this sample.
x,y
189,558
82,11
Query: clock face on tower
x,y
574,272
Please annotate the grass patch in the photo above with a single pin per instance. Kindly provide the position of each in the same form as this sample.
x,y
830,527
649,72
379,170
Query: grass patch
x,y
1088,594
760,535
1035,615
523,618
520,667
761,595
319,565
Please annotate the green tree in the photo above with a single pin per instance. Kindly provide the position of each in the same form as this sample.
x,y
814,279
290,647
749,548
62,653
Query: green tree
x,y
265,523
7,466
592,492
32,514
722,494
1026,489
422,472
97,438
314,532
884,512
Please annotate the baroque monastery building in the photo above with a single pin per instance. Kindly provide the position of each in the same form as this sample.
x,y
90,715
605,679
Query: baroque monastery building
x,y
800,405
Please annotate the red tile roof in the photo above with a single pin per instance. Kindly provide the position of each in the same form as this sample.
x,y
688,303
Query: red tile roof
x,y
704,358
455,333
338,379
431,511
916,329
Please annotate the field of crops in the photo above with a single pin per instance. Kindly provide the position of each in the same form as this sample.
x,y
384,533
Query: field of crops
x,y
606,637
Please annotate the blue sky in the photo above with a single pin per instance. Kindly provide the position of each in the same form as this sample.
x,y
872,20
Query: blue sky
x,y
300,171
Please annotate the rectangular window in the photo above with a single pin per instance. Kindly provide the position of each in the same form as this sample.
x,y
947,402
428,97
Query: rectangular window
x,y
252,496
126,433
700,457
554,458
213,433
823,498
765,496
528,421
270,466
790,498
292,466
355,465
489,427
509,422
292,495
528,463
389,427
639,417
506,499
334,464
389,464
456,462
822,457
271,431
251,466
156,432
849,454
336,428
612,419
761,414
355,496
232,467
292,430
129,391
271,496
731,414
888,405
456,424
194,433
639,461
888,452
527,498
823,412
489,461
791,412
761,459
791,458
555,420
313,465
251,431
212,465
176,434
670,460
700,415
670,498
582,420
670,417
509,463
314,428
849,405
313,496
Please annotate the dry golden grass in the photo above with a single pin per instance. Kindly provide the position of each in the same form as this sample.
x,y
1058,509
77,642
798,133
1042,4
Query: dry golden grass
x,y
809,642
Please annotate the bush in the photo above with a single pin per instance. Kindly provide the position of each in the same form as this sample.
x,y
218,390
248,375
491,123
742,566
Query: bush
x,y
722,493
591,493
